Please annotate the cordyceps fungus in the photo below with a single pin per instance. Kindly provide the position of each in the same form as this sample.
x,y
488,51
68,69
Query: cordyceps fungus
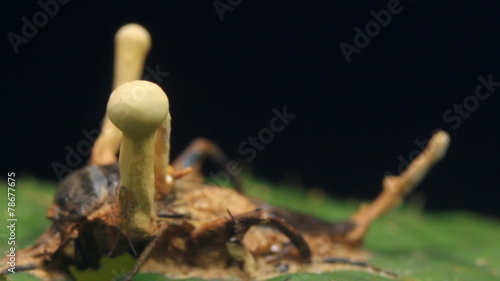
x,y
137,108
204,230
396,187
132,44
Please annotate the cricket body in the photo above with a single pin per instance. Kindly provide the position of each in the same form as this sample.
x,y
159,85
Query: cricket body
x,y
171,220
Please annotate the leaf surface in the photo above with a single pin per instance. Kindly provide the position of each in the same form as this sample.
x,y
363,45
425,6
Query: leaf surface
x,y
417,245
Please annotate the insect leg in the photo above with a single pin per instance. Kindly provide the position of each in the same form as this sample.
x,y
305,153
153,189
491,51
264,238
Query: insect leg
x,y
222,230
308,224
196,153
145,254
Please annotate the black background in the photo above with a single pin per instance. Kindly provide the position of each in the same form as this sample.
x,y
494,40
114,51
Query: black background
x,y
353,120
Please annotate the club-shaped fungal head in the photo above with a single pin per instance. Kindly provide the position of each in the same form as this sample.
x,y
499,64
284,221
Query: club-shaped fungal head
x,y
133,33
138,108
132,44
438,145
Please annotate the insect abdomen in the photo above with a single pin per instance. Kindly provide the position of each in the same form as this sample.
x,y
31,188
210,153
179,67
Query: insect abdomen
x,y
85,190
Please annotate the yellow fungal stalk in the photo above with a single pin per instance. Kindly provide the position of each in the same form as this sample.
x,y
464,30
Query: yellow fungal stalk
x,y
132,44
396,187
137,108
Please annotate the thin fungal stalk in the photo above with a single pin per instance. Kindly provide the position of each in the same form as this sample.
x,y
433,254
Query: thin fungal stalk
x,y
396,187
162,155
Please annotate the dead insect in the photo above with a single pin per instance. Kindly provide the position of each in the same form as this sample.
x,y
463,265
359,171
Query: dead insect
x,y
175,223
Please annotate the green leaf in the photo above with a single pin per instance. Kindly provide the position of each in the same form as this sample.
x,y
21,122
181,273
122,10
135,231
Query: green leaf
x,y
21,276
419,246
32,199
